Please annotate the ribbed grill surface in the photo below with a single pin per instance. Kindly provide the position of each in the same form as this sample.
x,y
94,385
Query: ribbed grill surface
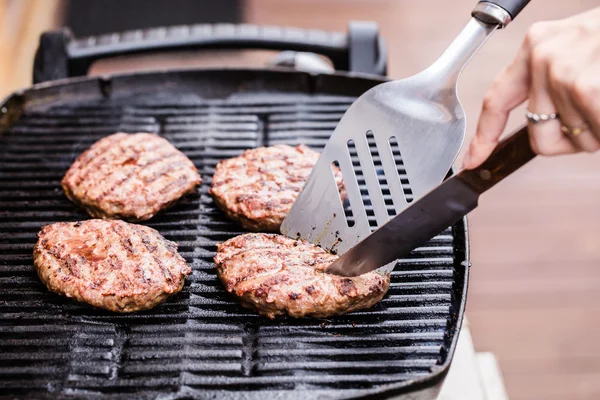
x,y
200,340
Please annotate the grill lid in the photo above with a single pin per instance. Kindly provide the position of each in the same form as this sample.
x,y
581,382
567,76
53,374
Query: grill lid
x,y
202,342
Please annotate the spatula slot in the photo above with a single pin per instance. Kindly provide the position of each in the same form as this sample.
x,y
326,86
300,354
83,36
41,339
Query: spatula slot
x,y
360,179
381,178
400,169
335,166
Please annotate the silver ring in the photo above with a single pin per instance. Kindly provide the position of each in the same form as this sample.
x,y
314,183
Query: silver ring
x,y
537,118
574,131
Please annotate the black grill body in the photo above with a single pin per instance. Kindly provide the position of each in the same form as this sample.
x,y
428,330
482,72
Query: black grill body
x,y
202,343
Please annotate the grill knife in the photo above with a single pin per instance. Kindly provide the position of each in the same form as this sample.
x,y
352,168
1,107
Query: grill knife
x,y
434,212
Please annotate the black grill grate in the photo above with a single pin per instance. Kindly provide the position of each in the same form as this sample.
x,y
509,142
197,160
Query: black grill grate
x,y
200,340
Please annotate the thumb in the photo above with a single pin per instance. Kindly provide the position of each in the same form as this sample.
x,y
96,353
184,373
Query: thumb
x,y
510,89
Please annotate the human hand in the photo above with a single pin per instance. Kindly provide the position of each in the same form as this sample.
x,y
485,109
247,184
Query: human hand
x,y
558,70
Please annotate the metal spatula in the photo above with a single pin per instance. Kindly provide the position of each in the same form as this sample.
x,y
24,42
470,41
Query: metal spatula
x,y
421,113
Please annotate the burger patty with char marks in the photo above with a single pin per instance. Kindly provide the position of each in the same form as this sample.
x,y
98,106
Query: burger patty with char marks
x,y
276,275
129,176
257,188
112,265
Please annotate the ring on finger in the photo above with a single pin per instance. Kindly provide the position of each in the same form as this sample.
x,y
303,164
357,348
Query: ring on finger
x,y
535,118
574,131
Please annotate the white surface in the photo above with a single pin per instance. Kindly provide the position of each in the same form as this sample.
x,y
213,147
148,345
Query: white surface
x,y
472,376
491,377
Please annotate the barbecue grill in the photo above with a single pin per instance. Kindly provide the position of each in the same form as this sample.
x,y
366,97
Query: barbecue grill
x,y
202,343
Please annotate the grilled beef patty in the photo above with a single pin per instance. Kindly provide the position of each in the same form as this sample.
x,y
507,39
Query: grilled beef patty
x,y
257,189
129,176
277,275
113,265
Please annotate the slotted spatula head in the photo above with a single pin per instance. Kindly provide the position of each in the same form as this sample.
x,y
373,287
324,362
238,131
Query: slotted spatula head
x,y
422,115
429,133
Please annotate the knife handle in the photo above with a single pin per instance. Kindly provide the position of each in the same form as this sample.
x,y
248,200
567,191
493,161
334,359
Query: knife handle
x,y
510,154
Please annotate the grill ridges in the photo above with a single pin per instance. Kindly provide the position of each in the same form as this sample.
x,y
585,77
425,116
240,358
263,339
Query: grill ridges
x,y
201,338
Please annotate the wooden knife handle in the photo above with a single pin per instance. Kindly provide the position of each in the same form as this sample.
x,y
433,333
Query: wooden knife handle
x,y
510,155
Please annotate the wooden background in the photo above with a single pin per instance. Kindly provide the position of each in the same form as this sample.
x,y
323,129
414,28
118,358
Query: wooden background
x,y
534,296
21,23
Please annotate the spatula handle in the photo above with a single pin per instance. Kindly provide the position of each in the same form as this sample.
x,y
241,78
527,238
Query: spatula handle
x,y
510,155
500,12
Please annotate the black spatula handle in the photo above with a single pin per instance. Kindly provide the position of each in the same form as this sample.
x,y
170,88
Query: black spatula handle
x,y
498,11
513,7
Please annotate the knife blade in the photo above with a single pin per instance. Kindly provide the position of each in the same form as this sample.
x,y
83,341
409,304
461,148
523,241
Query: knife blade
x,y
434,212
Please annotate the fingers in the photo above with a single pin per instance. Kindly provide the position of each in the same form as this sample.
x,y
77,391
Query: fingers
x,y
557,70
510,89
546,137
585,94
561,78
570,117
